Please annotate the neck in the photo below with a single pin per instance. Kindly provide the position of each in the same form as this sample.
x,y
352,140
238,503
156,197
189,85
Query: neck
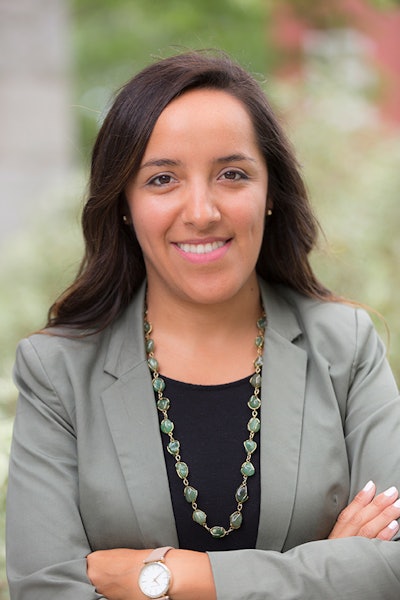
x,y
196,319
203,343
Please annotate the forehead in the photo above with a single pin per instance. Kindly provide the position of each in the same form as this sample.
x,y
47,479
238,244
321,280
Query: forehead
x,y
209,97
212,114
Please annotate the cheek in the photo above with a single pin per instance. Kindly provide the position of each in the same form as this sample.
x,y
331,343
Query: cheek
x,y
142,217
251,218
151,230
144,231
152,214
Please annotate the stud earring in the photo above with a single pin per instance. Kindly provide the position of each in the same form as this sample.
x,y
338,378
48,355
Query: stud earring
x,y
125,220
269,212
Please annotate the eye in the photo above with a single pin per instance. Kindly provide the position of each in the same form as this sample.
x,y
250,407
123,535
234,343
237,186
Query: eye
x,y
161,180
233,175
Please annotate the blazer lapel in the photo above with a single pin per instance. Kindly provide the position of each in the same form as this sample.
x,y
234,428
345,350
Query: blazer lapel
x,y
133,421
284,376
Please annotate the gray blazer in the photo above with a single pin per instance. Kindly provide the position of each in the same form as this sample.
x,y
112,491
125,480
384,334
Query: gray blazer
x,y
87,469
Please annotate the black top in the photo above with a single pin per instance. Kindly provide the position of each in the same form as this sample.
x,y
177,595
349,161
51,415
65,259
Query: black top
x,y
211,426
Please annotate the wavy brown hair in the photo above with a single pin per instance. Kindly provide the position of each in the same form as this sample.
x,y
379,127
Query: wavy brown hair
x,y
113,268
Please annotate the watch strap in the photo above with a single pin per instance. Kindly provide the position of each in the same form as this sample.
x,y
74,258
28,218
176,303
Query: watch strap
x,y
158,555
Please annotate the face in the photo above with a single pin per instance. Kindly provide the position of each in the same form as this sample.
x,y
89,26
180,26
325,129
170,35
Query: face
x,y
199,200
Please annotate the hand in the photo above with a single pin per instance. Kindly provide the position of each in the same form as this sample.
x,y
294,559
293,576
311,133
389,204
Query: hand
x,y
114,573
369,516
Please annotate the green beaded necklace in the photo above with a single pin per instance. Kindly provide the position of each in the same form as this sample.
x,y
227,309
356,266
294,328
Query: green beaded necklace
x,y
167,427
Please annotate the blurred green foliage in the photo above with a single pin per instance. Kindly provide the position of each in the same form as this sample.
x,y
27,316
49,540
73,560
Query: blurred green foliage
x,y
36,266
351,166
113,40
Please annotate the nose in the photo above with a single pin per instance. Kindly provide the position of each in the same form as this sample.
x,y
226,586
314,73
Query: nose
x,y
200,207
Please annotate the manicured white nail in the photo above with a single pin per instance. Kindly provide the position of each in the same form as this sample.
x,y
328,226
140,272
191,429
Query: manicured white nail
x,y
368,486
390,491
397,503
393,525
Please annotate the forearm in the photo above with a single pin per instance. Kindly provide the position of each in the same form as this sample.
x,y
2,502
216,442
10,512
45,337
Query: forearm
x,y
192,575
350,569
115,573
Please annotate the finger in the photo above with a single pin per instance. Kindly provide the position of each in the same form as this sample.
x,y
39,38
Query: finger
x,y
374,508
378,506
388,532
361,500
367,520
386,518
350,520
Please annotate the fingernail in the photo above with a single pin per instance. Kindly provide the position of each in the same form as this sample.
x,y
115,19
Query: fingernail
x,y
397,503
393,525
390,491
368,486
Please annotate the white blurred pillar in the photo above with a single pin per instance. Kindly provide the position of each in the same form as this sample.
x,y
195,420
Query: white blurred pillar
x,y
35,114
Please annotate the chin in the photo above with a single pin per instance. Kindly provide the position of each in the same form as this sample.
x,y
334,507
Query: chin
x,y
214,293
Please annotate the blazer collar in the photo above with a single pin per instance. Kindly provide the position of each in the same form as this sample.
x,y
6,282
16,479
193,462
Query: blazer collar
x,y
126,343
281,315
133,420
282,396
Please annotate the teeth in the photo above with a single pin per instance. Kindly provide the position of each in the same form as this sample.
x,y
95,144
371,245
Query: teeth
x,y
200,248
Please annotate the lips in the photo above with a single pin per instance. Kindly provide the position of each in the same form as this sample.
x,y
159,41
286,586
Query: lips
x,y
201,248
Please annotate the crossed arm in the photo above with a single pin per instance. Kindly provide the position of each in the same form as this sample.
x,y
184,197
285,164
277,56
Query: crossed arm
x,y
114,573
47,554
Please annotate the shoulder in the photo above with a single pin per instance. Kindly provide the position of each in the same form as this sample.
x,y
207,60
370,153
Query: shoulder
x,y
68,349
51,346
77,363
336,330
53,367
340,318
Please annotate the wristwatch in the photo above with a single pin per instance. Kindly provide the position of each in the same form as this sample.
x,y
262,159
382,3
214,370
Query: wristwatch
x,y
155,577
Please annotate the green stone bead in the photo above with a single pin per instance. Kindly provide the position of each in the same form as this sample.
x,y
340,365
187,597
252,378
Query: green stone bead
x,y
248,469
236,519
166,426
258,362
163,404
182,469
199,516
241,493
254,403
255,380
149,346
218,532
262,323
190,494
250,446
147,327
158,384
254,424
173,447
153,363
259,341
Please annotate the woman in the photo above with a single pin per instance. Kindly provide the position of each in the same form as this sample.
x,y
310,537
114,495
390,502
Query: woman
x,y
144,436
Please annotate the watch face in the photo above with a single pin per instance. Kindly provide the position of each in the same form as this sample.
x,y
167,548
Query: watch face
x,y
154,579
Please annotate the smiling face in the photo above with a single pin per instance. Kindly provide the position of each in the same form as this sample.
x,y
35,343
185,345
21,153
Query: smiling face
x,y
198,202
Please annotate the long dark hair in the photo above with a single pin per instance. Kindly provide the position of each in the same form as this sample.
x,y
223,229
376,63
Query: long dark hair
x,y
113,267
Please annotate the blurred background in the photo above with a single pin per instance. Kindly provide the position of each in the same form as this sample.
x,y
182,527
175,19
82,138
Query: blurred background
x,y
331,69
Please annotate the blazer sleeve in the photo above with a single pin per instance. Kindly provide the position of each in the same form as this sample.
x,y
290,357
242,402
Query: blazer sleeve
x,y
46,541
353,568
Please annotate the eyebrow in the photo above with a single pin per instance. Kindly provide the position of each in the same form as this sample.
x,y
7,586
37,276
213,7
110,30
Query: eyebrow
x,y
161,162
234,158
168,162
